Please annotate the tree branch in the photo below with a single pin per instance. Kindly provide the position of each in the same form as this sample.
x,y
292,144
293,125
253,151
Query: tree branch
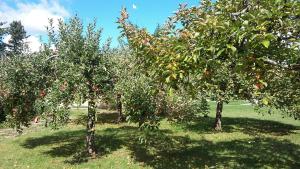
x,y
246,8
295,67
51,57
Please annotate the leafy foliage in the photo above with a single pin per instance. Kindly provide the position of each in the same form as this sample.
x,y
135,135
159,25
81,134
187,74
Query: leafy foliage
x,y
234,49
82,72
24,79
139,102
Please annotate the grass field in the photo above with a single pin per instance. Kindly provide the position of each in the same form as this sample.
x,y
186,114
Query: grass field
x,y
248,140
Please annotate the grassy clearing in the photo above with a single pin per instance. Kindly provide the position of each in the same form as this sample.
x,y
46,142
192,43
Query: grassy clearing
x,y
248,140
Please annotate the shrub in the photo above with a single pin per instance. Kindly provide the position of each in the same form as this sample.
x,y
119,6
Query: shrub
x,y
139,102
182,107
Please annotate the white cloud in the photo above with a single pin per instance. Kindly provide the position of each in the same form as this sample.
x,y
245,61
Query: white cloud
x,y
33,42
6,39
34,16
134,6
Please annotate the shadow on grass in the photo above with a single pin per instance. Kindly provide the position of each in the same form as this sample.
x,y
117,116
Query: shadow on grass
x,y
101,118
107,117
72,144
245,125
166,150
253,153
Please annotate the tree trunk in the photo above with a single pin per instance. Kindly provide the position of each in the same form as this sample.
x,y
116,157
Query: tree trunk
x,y
119,109
219,110
46,122
161,101
90,137
19,128
2,115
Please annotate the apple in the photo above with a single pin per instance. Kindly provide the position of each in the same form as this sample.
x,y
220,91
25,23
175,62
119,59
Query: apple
x,y
43,93
259,86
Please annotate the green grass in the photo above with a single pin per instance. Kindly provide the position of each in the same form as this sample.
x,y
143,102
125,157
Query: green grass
x,y
248,140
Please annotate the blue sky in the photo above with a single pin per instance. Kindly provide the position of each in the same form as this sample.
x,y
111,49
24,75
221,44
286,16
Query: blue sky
x,y
34,13
145,13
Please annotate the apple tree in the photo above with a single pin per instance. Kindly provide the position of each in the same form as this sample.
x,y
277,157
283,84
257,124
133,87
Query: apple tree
x,y
82,69
234,49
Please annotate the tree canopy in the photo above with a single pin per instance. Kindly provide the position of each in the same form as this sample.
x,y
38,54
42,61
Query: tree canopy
x,y
82,69
234,49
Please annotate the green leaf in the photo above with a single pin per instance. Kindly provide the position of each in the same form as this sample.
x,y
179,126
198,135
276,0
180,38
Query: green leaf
x,y
230,46
266,43
220,52
171,92
168,79
181,75
195,57
264,83
211,49
265,101
174,76
254,37
245,22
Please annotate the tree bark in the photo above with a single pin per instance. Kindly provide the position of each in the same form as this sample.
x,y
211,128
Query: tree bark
x,y
161,100
119,109
19,128
217,125
90,137
2,115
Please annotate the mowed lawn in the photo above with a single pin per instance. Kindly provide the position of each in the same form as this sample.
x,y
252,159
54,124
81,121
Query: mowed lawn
x,y
248,140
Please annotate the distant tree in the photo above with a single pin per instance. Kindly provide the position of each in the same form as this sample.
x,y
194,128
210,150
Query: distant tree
x,y
18,35
158,30
120,61
3,32
204,107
